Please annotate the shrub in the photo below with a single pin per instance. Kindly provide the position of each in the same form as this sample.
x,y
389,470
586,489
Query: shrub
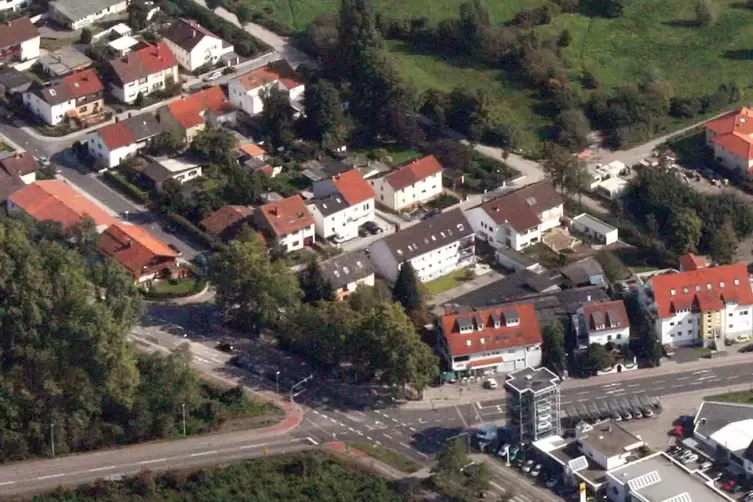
x,y
192,230
120,183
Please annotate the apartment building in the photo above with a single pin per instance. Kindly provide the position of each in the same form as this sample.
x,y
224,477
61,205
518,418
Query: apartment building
x,y
144,71
342,203
416,182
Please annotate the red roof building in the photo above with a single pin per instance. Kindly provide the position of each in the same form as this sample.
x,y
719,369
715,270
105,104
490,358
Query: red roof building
x,y
689,262
413,172
227,221
731,137
156,63
210,105
140,252
84,83
495,339
414,183
353,187
287,222
604,323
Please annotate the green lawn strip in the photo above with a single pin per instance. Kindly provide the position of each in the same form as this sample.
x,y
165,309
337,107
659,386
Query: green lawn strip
x,y
446,283
389,457
176,288
743,396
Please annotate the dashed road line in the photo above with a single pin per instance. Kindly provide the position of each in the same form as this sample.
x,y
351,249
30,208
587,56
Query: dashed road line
x,y
387,436
351,429
144,462
6,483
51,476
359,433
203,453
378,443
367,437
412,428
465,424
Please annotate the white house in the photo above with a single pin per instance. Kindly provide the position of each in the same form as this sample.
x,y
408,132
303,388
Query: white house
x,y
594,229
247,90
78,95
113,143
704,306
605,322
286,223
518,219
76,14
347,271
341,204
495,339
14,5
731,138
417,182
19,42
176,169
193,45
435,247
143,71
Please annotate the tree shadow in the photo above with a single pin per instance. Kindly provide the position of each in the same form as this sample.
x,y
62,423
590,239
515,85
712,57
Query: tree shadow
x,y
739,55
682,23
430,440
739,5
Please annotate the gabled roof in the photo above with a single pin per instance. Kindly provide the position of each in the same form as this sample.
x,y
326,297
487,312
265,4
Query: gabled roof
x,y
414,171
734,132
346,268
19,164
517,325
606,316
187,34
330,205
705,289
17,31
189,112
285,216
353,187
252,150
56,200
692,262
133,246
83,83
225,217
277,71
143,62
522,208
116,135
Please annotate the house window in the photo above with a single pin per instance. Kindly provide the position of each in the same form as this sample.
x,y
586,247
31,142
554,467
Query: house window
x,y
730,325
619,336
609,338
468,343
744,312
672,324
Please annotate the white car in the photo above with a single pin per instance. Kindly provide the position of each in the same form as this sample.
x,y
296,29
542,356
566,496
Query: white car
x,y
742,338
690,458
490,383
339,239
213,76
527,466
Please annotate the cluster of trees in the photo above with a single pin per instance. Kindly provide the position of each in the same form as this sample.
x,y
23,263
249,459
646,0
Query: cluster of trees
x,y
453,474
686,220
368,334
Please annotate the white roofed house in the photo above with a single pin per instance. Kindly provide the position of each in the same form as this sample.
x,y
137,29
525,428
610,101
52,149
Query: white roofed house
x,y
246,91
435,247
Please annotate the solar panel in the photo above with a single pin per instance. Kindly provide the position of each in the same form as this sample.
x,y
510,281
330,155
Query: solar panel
x,y
683,497
578,464
643,481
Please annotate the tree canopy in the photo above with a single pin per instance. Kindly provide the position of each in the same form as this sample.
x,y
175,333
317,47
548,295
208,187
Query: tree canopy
x,y
407,291
553,347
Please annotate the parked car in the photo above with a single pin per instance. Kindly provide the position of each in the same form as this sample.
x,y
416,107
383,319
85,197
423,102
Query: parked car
x,y
431,213
226,347
528,466
373,227
212,76
648,413
551,482
490,383
362,232
706,465
729,485
339,239
535,471
229,70
742,338
690,458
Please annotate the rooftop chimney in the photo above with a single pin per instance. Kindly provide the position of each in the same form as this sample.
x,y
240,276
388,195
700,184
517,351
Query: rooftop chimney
x,y
588,298
193,34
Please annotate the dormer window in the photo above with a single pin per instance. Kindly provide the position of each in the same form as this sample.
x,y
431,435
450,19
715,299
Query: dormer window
x,y
512,318
721,284
479,322
496,320
737,282
708,285
465,325
685,290
672,292
697,287
483,340
468,343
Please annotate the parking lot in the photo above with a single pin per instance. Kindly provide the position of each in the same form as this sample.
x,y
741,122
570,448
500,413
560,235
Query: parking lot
x,y
619,409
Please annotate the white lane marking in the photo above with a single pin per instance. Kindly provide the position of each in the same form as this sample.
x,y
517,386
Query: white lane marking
x,y
312,441
478,403
700,371
359,433
404,425
8,483
388,436
332,420
677,386
144,462
403,444
659,381
359,413
465,424
378,443
684,378
341,424
369,427
202,453
733,377
394,420
351,429
367,437
106,468
423,455
316,412
412,428
259,445
495,485
634,385
51,476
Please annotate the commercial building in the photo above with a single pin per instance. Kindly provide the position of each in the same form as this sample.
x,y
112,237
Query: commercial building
x,y
193,45
341,204
490,340
19,42
518,219
286,223
416,182
346,272
141,72
705,306
533,404
435,247
79,96
76,14
113,143
247,90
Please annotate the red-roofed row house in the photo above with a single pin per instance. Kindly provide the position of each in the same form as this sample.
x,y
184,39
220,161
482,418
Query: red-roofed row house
x,y
490,340
342,203
703,306
144,71
416,182
79,95
731,138
246,91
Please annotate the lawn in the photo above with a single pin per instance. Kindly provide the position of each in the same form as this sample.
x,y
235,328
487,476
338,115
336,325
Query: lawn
x,y
388,456
446,283
743,396
176,288
392,154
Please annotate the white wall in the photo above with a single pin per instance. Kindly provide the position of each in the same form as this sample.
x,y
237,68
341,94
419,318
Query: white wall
x,y
731,160
295,240
29,48
248,101
439,262
619,336
206,51
13,4
420,192
501,236
514,358
76,24
50,115
684,328
154,82
105,157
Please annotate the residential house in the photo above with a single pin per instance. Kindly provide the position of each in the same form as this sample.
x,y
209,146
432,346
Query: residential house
x,y
247,90
341,204
317,170
144,256
435,247
705,306
490,340
226,222
416,182
56,200
731,138
518,219
150,69
585,272
193,45
77,14
251,151
16,171
689,262
13,81
594,229
19,42
14,5
286,223
604,322
180,170
64,61
113,143
191,114
80,96
347,271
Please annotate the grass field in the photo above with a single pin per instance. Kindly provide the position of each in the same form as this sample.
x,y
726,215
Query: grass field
x,y
446,282
744,397
388,456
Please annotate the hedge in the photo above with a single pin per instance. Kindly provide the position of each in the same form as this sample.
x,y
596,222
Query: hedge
x,y
153,294
192,230
120,183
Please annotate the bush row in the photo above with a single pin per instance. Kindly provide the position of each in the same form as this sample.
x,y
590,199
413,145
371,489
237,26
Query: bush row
x,y
120,183
192,229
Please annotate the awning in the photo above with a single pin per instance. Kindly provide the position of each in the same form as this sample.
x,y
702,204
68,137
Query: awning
x,y
486,362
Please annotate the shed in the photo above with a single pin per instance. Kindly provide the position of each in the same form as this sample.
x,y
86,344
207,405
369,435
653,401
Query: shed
x,y
612,188
595,229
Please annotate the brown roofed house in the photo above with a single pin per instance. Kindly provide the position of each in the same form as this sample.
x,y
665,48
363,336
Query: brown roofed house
x,y
140,252
286,223
416,182
227,221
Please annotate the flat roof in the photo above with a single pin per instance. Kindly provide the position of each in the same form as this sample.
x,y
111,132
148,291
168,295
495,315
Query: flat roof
x,y
177,165
123,43
609,439
592,472
658,478
614,184
712,416
532,379
594,224
517,257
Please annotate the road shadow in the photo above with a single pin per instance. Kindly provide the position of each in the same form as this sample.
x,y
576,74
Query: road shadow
x,y
430,440
682,23
739,55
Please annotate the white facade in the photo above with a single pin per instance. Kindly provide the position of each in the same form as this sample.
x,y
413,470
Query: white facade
x,y
51,115
343,223
428,266
250,100
418,193
504,235
87,20
14,5
500,361
602,335
182,171
30,49
684,328
106,157
208,50
595,229
151,83
728,158
296,240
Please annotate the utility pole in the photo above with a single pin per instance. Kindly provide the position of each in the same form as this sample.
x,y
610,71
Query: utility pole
x,y
183,406
277,381
52,438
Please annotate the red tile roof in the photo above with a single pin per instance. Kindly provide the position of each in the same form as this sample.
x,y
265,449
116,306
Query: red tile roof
x,y
190,111
83,83
525,332
17,31
277,71
484,362
704,289
225,217
252,149
286,216
117,135
692,262
19,164
55,200
134,247
143,62
413,171
734,132
522,208
353,187
606,316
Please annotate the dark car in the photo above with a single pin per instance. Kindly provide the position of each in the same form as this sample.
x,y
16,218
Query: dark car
x,y
226,347
362,232
431,213
373,227
175,248
229,70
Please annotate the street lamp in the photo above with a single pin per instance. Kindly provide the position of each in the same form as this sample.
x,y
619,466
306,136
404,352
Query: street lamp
x,y
52,438
183,408
277,381
292,388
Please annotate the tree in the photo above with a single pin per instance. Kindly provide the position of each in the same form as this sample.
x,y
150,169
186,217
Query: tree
x,y
723,244
139,102
564,170
216,145
243,12
553,347
644,340
369,297
325,120
86,36
480,479
167,142
243,187
684,229
277,117
571,130
314,285
565,38
252,291
452,154
137,15
706,12
453,456
407,291
597,357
